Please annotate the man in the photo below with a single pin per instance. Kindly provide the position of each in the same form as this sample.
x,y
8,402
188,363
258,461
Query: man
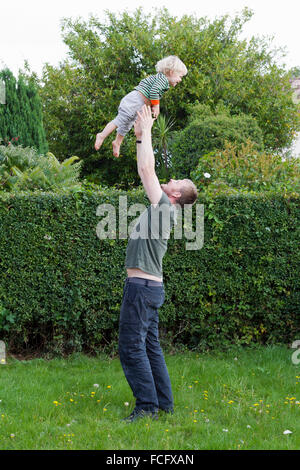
x,y
140,352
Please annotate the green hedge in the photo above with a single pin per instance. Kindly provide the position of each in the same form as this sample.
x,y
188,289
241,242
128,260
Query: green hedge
x,y
61,287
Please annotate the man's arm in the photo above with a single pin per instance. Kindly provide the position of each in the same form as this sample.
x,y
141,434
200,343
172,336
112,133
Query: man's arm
x,y
145,155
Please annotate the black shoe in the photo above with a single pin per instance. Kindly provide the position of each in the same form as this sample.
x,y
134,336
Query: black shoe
x,y
138,414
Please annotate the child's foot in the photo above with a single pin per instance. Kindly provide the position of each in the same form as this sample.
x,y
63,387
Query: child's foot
x,y
116,148
99,141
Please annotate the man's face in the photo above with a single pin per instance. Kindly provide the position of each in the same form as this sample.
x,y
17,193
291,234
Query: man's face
x,y
172,187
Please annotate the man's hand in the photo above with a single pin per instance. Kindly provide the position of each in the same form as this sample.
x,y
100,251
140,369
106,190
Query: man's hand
x,y
144,121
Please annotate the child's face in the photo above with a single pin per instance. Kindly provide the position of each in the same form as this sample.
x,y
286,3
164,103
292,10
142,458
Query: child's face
x,y
174,77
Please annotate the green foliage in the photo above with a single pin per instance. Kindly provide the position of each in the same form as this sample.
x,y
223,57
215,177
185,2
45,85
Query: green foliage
x,y
161,138
24,169
207,133
246,169
21,116
61,287
295,72
108,58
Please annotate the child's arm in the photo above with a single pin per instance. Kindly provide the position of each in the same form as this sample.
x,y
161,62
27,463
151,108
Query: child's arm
x,y
159,86
155,110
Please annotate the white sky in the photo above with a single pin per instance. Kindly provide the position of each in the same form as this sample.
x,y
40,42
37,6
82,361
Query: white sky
x,y
30,29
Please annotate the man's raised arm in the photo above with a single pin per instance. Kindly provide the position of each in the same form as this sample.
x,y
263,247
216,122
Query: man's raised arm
x,y
145,155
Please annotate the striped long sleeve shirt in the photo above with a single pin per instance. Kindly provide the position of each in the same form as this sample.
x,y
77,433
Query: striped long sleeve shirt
x,y
153,87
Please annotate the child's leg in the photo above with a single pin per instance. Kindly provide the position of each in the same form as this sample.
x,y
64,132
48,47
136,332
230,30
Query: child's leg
x,y
109,128
116,144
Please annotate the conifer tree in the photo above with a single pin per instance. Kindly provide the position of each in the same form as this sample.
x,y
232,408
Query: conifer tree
x,y
21,115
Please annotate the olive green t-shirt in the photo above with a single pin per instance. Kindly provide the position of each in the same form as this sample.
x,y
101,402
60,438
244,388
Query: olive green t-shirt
x,y
149,238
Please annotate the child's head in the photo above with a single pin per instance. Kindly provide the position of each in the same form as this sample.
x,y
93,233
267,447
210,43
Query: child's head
x,y
169,64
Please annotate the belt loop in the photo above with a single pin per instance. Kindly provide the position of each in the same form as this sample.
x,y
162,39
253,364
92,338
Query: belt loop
x,y
147,282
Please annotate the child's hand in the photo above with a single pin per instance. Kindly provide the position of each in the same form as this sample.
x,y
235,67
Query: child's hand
x,y
155,110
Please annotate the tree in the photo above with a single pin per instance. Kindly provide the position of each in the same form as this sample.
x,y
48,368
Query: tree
x,y
295,72
207,132
107,60
21,117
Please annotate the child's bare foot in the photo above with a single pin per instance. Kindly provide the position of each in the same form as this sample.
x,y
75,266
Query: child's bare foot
x,y
116,148
99,141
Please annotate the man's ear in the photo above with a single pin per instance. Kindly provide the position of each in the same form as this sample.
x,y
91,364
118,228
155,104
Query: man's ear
x,y
176,194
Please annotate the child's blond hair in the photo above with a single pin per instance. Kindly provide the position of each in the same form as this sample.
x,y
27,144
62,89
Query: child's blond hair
x,y
172,63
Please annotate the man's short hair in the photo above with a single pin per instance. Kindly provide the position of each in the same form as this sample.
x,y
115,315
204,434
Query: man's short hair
x,y
188,192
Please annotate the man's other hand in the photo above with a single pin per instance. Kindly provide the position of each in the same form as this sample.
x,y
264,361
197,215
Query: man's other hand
x,y
144,121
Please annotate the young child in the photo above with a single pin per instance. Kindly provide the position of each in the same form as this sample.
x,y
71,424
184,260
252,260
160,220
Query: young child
x,y
170,71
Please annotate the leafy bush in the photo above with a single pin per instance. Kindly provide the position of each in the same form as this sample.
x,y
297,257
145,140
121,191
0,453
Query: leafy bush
x,y
209,133
24,169
247,169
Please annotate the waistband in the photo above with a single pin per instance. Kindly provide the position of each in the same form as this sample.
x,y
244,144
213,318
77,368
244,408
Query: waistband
x,y
144,282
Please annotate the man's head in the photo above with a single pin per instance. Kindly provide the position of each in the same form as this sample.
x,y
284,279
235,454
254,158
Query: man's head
x,y
180,191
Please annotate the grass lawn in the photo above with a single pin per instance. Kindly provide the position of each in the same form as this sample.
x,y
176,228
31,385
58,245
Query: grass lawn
x,y
241,399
